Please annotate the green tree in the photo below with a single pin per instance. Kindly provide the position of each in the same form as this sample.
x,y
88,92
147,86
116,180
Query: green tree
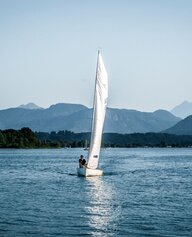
x,y
2,140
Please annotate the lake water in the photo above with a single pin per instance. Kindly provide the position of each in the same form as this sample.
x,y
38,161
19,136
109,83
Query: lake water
x,y
144,192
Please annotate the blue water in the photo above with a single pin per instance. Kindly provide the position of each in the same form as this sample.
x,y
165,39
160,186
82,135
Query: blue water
x,y
144,192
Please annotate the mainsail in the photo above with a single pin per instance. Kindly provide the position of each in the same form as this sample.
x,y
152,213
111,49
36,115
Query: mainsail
x,y
99,109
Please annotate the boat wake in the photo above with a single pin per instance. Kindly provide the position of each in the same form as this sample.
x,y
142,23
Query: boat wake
x,y
66,173
110,173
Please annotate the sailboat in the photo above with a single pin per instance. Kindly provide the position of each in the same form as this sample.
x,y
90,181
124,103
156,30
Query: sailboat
x,y
99,110
86,146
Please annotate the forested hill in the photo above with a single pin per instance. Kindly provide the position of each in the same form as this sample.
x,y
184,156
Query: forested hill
x,y
184,127
67,138
25,138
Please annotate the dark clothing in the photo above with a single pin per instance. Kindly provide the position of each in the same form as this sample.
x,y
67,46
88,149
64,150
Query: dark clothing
x,y
83,162
80,163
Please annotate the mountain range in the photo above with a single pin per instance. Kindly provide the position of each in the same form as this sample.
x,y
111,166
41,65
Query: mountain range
x,y
182,110
77,118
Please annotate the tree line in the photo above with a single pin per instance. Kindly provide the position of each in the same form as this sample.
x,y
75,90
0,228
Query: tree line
x,y
23,138
26,138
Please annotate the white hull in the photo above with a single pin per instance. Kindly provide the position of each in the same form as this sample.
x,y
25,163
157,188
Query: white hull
x,y
89,172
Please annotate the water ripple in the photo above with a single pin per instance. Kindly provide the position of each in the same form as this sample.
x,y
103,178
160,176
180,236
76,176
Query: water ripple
x,y
144,192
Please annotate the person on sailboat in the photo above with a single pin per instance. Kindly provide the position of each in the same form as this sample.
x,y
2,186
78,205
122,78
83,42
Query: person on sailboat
x,y
82,162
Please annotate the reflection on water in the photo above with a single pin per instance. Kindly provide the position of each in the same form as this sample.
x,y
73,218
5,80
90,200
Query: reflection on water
x,y
144,192
104,213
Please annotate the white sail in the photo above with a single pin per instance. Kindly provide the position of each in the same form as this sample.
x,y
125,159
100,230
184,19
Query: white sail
x,y
99,109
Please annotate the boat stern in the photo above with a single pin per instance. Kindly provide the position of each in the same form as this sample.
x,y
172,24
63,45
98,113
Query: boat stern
x,y
89,172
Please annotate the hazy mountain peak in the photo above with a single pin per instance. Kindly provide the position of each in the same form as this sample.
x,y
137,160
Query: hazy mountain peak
x,y
164,114
186,102
161,111
62,105
184,127
182,110
30,106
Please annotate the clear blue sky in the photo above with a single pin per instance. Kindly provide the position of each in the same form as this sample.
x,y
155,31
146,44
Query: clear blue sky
x,y
48,51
